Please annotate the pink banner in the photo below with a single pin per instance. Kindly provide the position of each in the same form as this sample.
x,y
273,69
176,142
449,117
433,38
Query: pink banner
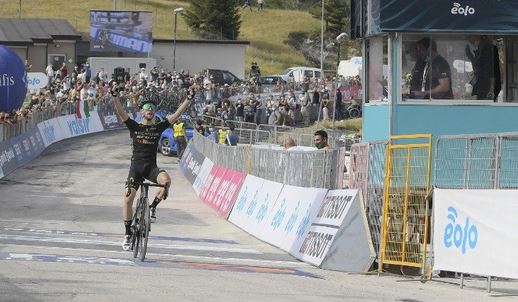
x,y
221,188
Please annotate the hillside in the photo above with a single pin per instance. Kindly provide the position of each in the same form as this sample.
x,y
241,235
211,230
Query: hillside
x,y
266,31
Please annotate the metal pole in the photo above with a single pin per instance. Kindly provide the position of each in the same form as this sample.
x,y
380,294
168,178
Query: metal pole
x,y
338,56
461,280
174,46
322,43
20,10
114,4
488,284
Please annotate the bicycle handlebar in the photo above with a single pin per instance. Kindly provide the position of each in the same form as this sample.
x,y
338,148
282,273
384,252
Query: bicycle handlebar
x,y
148,184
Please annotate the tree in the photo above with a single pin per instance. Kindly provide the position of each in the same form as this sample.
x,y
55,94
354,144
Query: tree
x,y
336,16
214,19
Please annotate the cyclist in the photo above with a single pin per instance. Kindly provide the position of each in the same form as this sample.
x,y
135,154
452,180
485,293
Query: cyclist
x,y
145,136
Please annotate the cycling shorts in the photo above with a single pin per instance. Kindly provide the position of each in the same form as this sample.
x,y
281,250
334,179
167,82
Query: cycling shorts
x,y
140,171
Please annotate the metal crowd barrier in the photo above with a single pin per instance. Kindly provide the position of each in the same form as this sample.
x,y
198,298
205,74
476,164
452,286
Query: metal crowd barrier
x,y
484,161
320,169
367,173
21,126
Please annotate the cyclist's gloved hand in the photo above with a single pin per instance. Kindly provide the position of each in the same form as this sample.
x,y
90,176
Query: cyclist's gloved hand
x,y
129,183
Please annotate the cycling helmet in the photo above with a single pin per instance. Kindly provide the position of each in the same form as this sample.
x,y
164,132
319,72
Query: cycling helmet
x,y
143,101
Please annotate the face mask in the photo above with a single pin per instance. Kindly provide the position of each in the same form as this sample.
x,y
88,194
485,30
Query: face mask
x,y
318,145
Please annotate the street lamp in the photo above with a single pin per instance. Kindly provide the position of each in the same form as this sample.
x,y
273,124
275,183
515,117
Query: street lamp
x,y
338,39
322,43
176,12
339,42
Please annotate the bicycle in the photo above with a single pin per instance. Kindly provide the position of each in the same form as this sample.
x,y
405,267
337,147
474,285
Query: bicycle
x,y
141,222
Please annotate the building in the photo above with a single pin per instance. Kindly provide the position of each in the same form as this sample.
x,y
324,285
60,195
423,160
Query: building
x,y
41,41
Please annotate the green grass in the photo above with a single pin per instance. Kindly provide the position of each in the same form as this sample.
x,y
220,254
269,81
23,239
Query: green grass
x,y
266,31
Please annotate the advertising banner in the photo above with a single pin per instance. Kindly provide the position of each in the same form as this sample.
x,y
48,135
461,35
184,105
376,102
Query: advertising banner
x,y
50,131
338,238
7,157
212,183
27,146
291,216
121,31
227,192
254,204
447,16
205,170
191,163
73,126
36,80
109,118
475,232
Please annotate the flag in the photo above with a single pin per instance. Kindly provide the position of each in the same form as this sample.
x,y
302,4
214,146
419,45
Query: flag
x,y
82,109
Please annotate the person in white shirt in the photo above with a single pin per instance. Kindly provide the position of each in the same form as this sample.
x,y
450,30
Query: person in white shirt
x,y
290,145
50,73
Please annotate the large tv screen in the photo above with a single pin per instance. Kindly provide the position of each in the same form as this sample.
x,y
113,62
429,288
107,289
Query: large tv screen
x,y
121,31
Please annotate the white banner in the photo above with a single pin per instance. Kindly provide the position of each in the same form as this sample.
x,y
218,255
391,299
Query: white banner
x,y
290,219
205,169
73,126
475,232
36,80
254,204
51,131
316,244
335,207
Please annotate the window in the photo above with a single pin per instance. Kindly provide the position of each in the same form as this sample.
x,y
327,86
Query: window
x,y
308,74
377,69
318,75
460,67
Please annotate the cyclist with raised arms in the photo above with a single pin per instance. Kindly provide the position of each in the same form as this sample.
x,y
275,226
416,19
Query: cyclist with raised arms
x,y
145,136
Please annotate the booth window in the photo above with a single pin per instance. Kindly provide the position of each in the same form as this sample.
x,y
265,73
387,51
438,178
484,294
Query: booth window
x,y
453,67
377,69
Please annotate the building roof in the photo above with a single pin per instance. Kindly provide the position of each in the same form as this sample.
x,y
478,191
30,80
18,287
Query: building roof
x,y
36,30
202,41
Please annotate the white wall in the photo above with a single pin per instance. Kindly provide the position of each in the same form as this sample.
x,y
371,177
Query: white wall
x,y
194,57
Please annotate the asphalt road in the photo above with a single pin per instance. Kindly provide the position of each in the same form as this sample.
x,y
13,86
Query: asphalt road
x,y
61,229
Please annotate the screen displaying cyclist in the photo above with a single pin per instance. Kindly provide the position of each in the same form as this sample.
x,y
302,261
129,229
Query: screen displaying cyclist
x,y
145,136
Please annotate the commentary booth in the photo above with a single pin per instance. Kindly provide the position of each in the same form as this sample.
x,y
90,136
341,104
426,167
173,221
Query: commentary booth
x,y
452,74
463,80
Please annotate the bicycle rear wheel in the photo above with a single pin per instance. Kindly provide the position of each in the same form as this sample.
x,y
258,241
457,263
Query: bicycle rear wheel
x,y
145,223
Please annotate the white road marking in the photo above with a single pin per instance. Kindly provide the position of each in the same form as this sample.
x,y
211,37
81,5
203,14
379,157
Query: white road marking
x,y
155,245
161,256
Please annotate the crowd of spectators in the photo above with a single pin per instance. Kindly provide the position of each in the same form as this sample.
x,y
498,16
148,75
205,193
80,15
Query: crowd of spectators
x,y
286,104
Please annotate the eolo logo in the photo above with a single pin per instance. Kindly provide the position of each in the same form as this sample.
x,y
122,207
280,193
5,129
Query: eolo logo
x,y
460,236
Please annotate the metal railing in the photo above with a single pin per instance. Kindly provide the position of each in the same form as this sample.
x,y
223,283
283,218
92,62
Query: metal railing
x,y
318,169
484,161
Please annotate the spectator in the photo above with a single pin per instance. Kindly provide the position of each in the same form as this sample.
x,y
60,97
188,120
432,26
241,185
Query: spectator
x,y
199,127
63,70
248,3
260,5
28,66
290,145
212,134
179,138
50,74
320,140
232,136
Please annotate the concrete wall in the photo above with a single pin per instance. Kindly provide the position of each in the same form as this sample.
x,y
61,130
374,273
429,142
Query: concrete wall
x,y
196,56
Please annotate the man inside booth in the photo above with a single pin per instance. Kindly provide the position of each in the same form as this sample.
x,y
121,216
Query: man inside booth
x,y
435,76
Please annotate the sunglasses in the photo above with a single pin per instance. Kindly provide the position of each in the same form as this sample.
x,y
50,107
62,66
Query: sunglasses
x,y
148,106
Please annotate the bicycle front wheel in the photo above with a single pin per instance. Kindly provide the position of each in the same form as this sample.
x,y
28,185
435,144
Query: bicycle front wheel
x,y
137,230
145,226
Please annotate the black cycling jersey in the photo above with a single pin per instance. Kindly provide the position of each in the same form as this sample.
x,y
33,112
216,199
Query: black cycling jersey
x,y
145,139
